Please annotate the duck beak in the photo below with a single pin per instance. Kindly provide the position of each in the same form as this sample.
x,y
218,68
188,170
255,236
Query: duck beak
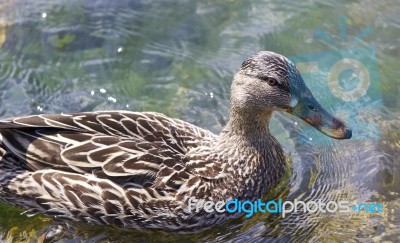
x,y
309,110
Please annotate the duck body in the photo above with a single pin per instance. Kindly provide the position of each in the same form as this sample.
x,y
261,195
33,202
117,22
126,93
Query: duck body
x,y
140,169
125,168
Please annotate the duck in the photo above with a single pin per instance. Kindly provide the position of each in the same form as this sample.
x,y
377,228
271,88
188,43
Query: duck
x,y
140,169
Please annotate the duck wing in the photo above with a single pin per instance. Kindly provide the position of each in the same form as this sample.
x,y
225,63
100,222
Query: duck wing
x,y
143,125
131,146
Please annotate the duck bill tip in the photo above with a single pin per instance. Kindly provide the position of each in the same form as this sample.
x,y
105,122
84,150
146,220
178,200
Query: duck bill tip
x,y
339,133
325,123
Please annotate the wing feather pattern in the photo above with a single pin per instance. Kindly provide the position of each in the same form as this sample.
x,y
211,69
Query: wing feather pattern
x,y
128,146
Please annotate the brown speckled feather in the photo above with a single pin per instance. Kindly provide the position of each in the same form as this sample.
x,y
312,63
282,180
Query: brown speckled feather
x,y
113,144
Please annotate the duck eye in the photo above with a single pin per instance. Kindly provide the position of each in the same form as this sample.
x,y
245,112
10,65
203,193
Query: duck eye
x,y
271,81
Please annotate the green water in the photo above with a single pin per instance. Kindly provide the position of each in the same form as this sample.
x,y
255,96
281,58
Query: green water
x,y
179,57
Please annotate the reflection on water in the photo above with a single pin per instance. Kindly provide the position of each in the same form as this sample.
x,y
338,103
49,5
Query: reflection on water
x,y
179,58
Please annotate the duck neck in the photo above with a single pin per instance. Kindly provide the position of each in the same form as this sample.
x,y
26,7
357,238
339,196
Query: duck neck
x,y
248,125
253,154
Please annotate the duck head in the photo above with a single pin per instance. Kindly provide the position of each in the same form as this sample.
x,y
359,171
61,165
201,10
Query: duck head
x,y
268,81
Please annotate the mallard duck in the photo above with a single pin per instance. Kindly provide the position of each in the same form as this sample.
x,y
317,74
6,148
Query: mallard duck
x,y
139,169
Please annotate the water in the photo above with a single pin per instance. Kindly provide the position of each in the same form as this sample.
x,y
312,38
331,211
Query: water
x,y
179,59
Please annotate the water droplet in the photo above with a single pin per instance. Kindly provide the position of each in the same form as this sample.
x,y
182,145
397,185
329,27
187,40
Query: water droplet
x,y
112,99
310,139
44,15
295,123
211,94
120,49
103,91
92,92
